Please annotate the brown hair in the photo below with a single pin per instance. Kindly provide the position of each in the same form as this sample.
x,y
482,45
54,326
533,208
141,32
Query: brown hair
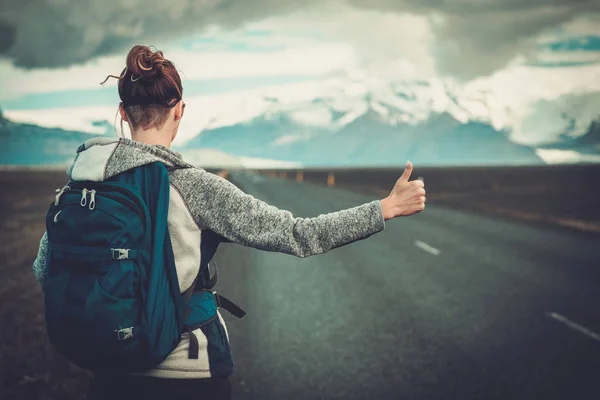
x,y
149,86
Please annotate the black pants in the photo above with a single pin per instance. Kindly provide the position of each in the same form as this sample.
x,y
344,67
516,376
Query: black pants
x,y
131,387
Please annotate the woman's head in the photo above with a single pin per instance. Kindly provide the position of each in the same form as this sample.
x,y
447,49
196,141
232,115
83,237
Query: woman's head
x,y
150,90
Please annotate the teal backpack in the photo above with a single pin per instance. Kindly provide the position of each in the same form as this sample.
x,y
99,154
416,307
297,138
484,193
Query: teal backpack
x,y
111,293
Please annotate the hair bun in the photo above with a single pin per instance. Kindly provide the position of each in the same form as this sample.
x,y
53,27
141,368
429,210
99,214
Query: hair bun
x,y
145,63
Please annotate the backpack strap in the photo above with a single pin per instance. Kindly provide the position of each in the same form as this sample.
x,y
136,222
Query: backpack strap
x,y
162,257
208,248
225,303
194,349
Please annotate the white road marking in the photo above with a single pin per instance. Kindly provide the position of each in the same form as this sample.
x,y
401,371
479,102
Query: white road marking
x,y
575,326
427,248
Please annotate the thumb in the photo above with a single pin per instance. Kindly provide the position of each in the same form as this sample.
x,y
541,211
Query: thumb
x,y
407,172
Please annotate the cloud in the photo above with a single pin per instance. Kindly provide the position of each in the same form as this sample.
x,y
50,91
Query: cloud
x,y
468,47
59,33
302,60
389,44
466,38
477,37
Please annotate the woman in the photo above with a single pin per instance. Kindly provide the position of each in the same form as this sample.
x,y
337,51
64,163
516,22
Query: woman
x,y
151,102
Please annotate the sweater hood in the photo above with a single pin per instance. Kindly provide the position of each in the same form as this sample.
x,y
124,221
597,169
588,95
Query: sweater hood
x,y
101,158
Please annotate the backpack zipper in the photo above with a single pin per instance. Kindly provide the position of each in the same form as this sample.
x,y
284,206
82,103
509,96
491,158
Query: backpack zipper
x,y
136,207
83,201
92,199
60,192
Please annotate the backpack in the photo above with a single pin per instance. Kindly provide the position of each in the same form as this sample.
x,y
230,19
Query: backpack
x,y
111,293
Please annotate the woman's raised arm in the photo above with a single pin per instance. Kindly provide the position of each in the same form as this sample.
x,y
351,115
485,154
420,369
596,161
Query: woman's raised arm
x,y
219,205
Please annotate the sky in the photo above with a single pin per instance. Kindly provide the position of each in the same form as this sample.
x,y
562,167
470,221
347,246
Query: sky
x,y
54,53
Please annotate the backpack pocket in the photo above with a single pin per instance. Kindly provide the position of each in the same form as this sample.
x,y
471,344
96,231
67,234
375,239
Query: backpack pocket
x,y
203,309
107,315
122,280
113,325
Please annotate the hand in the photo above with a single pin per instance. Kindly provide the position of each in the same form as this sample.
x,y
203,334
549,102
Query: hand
x,y
406,198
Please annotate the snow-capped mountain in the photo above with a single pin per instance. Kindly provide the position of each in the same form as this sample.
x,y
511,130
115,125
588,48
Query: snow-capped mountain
x,y
518,100
360,119
363,120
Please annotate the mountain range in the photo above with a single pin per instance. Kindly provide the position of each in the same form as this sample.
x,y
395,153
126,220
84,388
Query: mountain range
x,y
349,121
376,123
29,144
368,140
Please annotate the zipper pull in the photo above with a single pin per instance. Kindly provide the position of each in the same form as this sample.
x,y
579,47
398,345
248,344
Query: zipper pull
x,y
59,192
56,216
83,201
92,199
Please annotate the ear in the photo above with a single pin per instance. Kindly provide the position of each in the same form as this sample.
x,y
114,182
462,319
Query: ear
x,y
122,112
179,109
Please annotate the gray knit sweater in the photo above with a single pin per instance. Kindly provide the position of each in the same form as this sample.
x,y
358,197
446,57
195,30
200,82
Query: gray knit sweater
x,y
201,200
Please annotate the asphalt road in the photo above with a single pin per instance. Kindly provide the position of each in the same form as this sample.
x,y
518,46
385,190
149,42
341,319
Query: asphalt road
x,y
441,305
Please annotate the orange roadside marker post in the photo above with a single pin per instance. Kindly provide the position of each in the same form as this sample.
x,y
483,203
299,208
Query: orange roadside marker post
x,y
331,179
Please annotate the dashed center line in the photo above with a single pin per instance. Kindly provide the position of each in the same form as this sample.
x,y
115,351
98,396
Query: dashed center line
x,y
575,326
427,248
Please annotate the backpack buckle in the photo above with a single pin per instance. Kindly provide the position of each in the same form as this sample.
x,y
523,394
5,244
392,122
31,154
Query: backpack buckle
x,y
217,298
120,254
125,333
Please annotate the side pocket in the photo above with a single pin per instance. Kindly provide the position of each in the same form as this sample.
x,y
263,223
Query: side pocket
x,y
121,280
113,326
107,313
204,309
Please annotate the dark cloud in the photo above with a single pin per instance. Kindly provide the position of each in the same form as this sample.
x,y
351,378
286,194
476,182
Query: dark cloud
x,y
59,33
478,45
477,37
473,37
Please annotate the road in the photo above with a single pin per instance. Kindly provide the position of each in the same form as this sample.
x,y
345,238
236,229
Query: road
x,y
441,305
